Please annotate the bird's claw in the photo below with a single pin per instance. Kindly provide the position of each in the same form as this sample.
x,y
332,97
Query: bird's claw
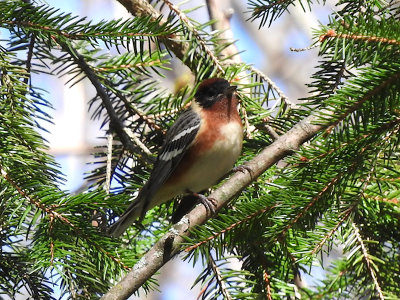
x,y
209,203
242,168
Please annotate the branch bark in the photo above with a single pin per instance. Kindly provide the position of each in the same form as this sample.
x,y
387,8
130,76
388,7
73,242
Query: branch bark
x,y
170,244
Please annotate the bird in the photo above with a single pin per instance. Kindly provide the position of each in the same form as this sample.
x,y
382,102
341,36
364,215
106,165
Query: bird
x,y
200,148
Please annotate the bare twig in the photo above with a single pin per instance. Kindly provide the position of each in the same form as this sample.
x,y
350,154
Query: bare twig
x,y
304,49
223,24
268,129
29,57
109,162
137,141
134,110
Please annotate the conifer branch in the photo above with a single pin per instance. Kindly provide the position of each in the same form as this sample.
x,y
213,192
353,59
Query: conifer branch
x,y
234,225
395,77
353,109
384,126
115,122
331,33
170,244
196,34
143,8
34,201
345,216
75,36
53,214
267,284
219,278
367,260
314,200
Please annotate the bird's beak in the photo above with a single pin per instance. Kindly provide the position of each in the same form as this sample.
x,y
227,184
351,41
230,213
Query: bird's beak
x,y
231,90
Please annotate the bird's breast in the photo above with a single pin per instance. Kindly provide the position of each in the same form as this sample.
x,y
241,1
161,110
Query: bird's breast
x,y
211,158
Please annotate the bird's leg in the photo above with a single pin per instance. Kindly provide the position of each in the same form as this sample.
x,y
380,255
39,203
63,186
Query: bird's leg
x,y
209,203
242,168
186,203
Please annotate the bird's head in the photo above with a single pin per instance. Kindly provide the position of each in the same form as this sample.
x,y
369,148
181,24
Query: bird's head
x,y
213,90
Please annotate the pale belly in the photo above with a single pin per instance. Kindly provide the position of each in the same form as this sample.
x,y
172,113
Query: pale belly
x,y
210,167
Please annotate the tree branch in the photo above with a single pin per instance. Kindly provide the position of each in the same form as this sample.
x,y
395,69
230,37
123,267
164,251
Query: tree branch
x,y
216,12
367,260
170,244
174,43
218,276
115,123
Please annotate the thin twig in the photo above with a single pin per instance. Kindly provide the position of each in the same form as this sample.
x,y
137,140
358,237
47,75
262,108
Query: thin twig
x,y
272,84
134,110
331,33
382,199
268,285
51,225
137,141
192,28
29,57
367,260
115,122
246,122
268,129
218,276
304,49
222,23
109,162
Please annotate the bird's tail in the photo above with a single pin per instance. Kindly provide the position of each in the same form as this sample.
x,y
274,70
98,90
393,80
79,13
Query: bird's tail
x,y
134,211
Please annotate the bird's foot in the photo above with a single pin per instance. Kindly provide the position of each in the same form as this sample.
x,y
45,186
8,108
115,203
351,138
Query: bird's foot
x,y
209,203
242,168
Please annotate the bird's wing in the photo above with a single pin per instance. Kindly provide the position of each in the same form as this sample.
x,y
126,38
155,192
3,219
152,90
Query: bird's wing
x,y
177,140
